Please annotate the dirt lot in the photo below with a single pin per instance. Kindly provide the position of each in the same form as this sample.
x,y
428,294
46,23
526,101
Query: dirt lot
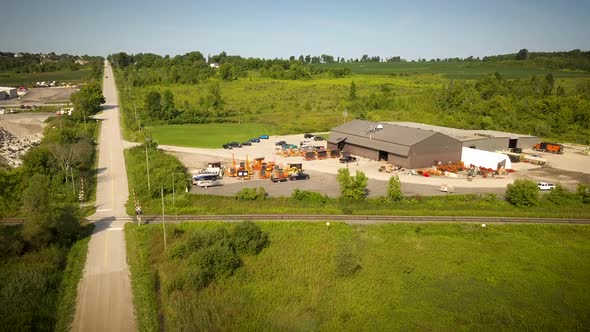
x,y
41,96
23,124
560,169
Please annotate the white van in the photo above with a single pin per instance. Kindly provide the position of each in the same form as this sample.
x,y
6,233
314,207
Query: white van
x,y
206,180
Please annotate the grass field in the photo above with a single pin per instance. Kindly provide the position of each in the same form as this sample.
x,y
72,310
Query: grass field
x,y
38,289
212,135
29,79
456,70
410,277
300,106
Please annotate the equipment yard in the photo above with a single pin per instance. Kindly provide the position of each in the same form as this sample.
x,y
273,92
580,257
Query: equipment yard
x,y
41,96
569,169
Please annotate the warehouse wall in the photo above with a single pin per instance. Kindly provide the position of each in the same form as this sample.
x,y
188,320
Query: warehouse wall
x,y
438,147
527,142
360,151
489,144
396,159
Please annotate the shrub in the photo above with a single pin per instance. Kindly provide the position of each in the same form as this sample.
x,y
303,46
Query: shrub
x,y
353,187
583,193
248,238
309,196
212,262
345,261
394,189
522,193
252,194
560,196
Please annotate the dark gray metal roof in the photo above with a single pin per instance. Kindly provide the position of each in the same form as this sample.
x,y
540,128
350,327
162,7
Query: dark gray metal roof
x,y
391,138
463,135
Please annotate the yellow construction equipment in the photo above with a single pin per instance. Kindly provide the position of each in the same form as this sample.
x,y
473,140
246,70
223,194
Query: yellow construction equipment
x,y
232,170
257,164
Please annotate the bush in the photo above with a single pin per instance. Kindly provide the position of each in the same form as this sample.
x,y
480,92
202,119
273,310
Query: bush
x,y
252,194
583,193
353,187
394,189
309,196
560,196
212,262
345,261
522,193
248,238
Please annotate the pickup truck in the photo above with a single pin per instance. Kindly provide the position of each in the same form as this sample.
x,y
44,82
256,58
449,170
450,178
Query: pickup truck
x,y
347,159
545,186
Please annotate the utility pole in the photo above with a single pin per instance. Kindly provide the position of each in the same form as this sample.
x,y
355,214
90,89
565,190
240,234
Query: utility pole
x,y
173,188
147,165
163,221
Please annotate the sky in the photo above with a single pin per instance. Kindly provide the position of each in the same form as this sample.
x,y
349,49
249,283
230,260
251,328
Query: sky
x,y
268,29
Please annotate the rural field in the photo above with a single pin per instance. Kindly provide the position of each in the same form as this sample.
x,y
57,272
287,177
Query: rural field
x,y
453,70
368,277
29,79
212,135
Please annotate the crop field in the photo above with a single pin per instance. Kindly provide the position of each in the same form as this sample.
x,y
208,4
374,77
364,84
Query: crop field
x,y
372,277
212,135
456,70
29,79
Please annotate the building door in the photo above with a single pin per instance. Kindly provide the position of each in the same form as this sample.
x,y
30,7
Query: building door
x,y
512,143
383,156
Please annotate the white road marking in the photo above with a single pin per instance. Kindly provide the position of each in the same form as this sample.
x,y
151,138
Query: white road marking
x,y
102,210
115,229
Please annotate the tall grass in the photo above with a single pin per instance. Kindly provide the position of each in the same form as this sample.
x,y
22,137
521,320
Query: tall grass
x,y
38,289
411,277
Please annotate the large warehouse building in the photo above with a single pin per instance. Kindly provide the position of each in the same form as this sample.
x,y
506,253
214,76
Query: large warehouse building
x,y
489,140
8,93
399,145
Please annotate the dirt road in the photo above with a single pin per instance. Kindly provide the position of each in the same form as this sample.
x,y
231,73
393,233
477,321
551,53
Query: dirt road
x,y
104,300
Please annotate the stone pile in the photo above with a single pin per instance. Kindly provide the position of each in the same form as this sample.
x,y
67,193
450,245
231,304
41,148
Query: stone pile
x,y
12,148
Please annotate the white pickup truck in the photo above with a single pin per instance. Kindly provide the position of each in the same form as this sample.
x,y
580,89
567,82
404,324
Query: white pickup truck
x,y
545,186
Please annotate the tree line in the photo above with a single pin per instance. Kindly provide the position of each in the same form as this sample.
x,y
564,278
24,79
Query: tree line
x,y
40,63
53,179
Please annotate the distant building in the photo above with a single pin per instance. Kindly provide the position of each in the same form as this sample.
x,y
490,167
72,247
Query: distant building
x,y
489,140
399,145
8,93
214,65
81,62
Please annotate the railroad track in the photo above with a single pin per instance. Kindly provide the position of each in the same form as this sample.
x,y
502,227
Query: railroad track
x,y
352,219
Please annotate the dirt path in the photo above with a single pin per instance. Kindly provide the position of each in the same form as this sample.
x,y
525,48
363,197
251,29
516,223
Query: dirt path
x,y
104,300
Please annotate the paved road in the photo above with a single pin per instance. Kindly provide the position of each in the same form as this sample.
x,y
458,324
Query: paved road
x,y
104,300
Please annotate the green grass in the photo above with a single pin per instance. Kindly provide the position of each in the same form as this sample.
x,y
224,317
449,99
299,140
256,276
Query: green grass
x,y
68,291
38,289
212,135
411,277
29,79
286,107
143,279
457,70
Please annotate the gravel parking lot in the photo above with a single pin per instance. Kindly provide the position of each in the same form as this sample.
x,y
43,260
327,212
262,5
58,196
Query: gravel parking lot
x,y
323,172
41,96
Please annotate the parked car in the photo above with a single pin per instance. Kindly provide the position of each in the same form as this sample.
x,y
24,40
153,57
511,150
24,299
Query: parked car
x,y
263,137
255,140
248,143
318,138
347,159
280,143
545,186
232,145
298,176
308,136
